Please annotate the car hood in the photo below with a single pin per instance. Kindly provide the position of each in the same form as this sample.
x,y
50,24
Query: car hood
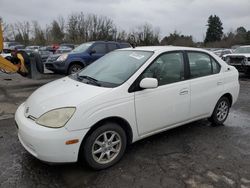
x,y
64,92
236,55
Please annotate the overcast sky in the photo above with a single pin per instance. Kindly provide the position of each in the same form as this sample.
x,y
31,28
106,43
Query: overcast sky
x,y
186,16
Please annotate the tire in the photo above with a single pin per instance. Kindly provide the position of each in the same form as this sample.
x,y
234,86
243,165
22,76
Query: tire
x,y
74,68
107,154
220,112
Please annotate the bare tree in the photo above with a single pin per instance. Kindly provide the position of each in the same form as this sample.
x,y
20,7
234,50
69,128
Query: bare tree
x,y
23,32
146,35
38,34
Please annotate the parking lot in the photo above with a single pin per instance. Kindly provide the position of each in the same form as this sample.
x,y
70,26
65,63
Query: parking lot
x,y
194,155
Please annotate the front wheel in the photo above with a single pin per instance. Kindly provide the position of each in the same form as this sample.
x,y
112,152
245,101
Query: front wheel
x,y
74,68
220,112
104,146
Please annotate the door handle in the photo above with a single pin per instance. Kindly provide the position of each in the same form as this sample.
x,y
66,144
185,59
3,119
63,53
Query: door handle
x,y
184,91
219,83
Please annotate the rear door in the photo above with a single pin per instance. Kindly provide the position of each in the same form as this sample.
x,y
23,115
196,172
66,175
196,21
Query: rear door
x,y
206,83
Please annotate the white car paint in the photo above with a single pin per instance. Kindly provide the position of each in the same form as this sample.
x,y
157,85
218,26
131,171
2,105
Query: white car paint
x,y
147,112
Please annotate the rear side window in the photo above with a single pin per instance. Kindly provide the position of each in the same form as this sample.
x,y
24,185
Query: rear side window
x,y
202,64
112,47
100,48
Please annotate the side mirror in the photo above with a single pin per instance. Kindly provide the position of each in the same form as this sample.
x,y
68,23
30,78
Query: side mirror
x,y
149,83
92,52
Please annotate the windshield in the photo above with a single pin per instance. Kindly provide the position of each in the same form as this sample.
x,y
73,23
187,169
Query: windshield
x,y
114,68
82,48
242,50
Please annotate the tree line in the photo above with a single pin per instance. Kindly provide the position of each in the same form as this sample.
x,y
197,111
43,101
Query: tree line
x,y
78,28
216,38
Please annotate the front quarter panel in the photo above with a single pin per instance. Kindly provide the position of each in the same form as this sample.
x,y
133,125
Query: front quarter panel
x,y
112,104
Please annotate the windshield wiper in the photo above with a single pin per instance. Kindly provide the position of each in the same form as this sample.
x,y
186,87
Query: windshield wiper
x,y
90,79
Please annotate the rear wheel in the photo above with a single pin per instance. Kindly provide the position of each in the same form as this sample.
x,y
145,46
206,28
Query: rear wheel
x,y
75,68
104,146
220,112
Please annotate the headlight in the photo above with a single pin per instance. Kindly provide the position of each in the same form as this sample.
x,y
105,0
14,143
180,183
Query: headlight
x,y
56,118
62,57
247,60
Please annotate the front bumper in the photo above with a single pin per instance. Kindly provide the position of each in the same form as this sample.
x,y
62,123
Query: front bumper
x,y
241,67
56,66
47,144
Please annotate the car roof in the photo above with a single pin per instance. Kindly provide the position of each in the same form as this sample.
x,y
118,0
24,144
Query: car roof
x,y
164,48
102,41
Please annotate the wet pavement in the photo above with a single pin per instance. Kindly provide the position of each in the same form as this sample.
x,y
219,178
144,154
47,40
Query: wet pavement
x,y
194,155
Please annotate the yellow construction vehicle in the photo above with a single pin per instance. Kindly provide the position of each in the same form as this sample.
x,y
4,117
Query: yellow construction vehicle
x,y
19,61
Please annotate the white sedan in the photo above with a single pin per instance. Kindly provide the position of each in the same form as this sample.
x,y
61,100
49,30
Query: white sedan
x,y
123,97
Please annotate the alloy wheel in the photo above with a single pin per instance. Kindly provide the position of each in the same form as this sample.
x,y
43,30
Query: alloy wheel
x,y
106,147
222,110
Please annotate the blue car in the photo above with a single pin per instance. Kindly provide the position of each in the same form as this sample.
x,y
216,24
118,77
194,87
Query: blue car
x,y
81,56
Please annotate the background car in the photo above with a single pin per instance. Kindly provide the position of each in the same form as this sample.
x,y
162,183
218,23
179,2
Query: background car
x,y
82,56
17,47
222,52
240,58
72,46
32,48
7,45
45,52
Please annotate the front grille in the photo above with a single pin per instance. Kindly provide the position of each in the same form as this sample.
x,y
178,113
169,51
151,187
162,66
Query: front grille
x,y
51,59
236,60
47,65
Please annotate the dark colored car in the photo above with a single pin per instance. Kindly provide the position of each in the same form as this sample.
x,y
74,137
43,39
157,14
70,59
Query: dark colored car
x,y
82,56
17,47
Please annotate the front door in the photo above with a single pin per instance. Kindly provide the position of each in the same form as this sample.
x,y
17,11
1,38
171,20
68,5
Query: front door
x,y
168,104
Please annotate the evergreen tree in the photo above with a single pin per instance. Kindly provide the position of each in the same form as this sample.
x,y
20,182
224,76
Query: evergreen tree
x,y
214,30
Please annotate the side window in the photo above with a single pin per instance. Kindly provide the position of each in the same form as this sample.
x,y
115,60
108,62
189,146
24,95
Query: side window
x,y
216,66
200,64
112,47
167,68
100,48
